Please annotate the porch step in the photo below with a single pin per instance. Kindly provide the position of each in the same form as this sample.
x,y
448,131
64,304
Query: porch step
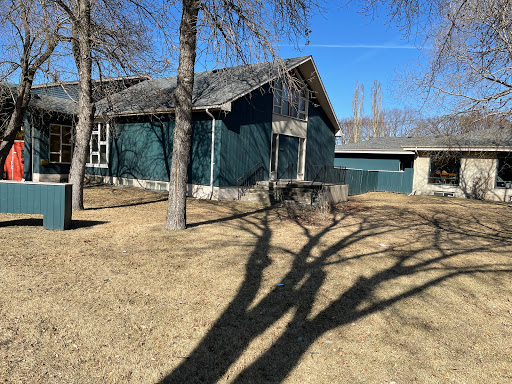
x,y
257,196
270,192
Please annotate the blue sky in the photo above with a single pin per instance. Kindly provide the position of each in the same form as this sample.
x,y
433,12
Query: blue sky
x,y
347,46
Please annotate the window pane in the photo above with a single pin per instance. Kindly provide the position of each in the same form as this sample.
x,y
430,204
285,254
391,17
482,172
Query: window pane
x,y
294,111
278,84
504,178
66,154
54,157
277,109
55,129
94,143
444,168
295,95
103,132
66,135
277,98
95,159
103,154
54,143
302,105
286,95
286,108
302,116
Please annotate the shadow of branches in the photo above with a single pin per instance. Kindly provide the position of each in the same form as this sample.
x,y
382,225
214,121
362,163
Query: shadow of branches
x,y
249,315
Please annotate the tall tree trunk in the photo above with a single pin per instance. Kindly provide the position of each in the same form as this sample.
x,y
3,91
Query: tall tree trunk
x,y
16,120
177,207
85,104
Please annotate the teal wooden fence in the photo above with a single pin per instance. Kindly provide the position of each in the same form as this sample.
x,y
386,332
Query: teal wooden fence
x,y
52,200
360,181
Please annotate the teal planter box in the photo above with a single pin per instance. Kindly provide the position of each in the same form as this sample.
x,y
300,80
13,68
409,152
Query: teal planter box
x,y
52,200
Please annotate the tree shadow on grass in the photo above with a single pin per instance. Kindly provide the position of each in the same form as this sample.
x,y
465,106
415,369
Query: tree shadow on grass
x,y
134,204
235,216
245,319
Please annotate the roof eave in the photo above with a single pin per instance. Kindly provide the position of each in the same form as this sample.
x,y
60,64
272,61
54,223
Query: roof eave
x,y
461,148
262,83
218,107
315,81
376,151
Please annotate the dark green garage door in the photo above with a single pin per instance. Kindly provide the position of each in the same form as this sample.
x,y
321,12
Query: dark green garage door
x,y
288,157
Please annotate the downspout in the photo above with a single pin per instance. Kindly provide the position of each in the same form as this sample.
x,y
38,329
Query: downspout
x,y
31,151
212,152
212,155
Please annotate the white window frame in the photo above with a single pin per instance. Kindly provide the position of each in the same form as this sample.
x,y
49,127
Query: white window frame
x,y
61,144
96,133
284,93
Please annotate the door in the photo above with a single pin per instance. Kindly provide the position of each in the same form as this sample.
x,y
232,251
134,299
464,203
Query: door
x,y
13,167
288,157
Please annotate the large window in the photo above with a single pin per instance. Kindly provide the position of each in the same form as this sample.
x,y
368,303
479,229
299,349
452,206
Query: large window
x,y
504,175
444,168
98,146
60,143
291,99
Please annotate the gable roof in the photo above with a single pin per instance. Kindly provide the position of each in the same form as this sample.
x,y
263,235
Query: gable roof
x,y
487,140
492,139
214,89
390,145
62,97
63,105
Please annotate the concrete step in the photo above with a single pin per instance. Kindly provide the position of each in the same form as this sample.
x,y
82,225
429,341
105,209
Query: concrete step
x,y
257,197
258,188
266,192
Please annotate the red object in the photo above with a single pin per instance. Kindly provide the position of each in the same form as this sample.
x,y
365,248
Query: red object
x,y
13,168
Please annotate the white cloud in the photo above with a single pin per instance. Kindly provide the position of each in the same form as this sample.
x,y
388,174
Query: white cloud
x,y
363,46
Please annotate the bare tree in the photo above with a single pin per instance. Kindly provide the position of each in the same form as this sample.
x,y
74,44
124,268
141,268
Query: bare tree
x,y
112,35
81,42
30,31
176,210
357,112
347,129
399,122
376,109
234,32
469,51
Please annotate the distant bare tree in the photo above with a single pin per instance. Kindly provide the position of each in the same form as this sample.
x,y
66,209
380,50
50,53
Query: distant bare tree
x,y
377,121
400,122
357,113
347,129
452,125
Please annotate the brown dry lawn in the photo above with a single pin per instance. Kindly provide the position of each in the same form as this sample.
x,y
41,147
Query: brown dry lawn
x,y
388,288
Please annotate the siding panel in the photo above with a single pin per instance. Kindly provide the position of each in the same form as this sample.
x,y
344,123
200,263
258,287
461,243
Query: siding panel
x,y
320,141
362,181
245,135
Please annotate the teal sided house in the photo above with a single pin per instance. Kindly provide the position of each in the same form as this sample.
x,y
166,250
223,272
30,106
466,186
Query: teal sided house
x,y
276,120
48,128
